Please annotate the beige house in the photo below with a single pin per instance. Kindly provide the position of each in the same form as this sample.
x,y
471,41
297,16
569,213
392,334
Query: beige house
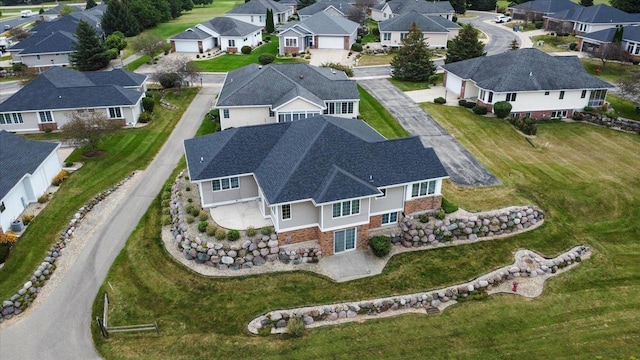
x,y
436,30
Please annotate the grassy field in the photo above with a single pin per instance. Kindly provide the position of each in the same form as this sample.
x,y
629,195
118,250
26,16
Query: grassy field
x,y
624,107
611,71
125,152
591,195
378,117
367,60
409,85
553,43
228,62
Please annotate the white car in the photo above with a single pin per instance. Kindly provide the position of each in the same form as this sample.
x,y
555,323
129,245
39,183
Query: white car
x,y
502,19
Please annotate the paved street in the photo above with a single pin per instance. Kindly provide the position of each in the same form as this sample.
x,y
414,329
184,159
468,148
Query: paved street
x,y
463,168
60,327
500,37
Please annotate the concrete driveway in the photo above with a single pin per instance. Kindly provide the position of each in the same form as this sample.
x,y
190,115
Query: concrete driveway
x,y
463,168
321,56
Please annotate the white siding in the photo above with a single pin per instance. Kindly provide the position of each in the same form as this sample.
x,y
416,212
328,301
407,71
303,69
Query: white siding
x,y
538,101
44,60
245,116
240,41
454,83
435,40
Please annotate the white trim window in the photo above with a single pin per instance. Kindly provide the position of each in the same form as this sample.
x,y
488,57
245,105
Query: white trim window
x,y
225,113
115,113
390,218
386,36
11,118
287,116
346,208
561,95
225,183
511,96
291,42
344,240
232,43
422,189
286,212
339,107
403,36
45,117
559,114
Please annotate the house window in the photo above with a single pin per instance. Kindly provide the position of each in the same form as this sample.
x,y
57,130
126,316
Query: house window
x,y
403,36
115,113
225,113
339,108
561,95
584,94
38,57
490,100
389,218
2,207
511,96
225,184
289,116
386,35
515,115
423,189
559,114
346,208
481,96
261,19
251,18
383,195
6,118
344,240
286,212
596,98
17,118
45,116
271,113
546,93
232,42
291,42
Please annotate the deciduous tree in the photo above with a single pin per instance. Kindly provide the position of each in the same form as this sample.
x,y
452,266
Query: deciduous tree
x,y
86,130
202,2
465,46
116,41
178,69
630,6
90,53
413,61
148,44
586,3
90,4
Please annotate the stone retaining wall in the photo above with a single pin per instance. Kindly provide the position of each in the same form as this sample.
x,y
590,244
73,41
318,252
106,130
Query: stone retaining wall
x,y
527,264
618,124
24,297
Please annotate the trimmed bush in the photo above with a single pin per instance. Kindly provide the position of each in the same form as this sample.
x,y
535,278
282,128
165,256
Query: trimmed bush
x,y
588,108
295,326
502,109
573,46
448,207
462,102
251,231
266,230
211,230
221,234
246,50
440,215
62,176
190,219
203,216
166,220
539,24
27,219
265,59
267,38
356,47
68,163
145,117
440,100
577,116
380,245
469,104
43,198
148,104
169,80
113,53
17,67
202,226
233,235
479,110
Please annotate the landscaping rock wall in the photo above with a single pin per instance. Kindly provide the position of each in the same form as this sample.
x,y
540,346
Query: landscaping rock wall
x,y
603,120
527,264
24,297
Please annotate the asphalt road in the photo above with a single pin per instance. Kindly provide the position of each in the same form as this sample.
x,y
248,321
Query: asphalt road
x,y
500,37
17,21
463,168
60,327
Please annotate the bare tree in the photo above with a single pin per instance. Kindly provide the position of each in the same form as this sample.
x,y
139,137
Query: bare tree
x,y
365,5
356,15
630,85
86,130
178,69
148,44
609,51
19,33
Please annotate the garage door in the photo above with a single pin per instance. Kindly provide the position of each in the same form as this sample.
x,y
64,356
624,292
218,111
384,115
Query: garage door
x,y
454,83
186,46
327,42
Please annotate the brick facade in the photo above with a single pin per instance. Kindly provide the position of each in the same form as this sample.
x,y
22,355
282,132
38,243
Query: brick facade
x,y
290,50
488,106
346,43
423,204
543,114
53,126
232,50
325,239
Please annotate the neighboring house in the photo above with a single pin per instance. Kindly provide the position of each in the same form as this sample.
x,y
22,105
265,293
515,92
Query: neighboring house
x,y
28,167
583,20
319,31
292,4
256,94
324,178
342,8
54,96
535,83
393,8
255,12
591,42
50,43
436,30
535,10
54,12
226,33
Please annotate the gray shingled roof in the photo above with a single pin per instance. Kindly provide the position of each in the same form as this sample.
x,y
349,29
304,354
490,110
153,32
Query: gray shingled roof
x,y
19,157
259,7
526,70
63,88
278,83
55,36
401,7
323,158
547,6
344,6
192,34
322,23
226,26
597,14
58,42
425,23
629,33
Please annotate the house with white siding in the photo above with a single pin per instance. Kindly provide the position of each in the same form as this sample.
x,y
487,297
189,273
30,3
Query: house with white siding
x,y
318,31
436,30
255,12
591,42
390,9
584,20
224,33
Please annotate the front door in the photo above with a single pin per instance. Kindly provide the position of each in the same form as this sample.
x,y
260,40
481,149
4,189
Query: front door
x,y
344,240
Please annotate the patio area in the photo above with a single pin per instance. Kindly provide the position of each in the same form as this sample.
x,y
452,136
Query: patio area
x,y
427,95
239,216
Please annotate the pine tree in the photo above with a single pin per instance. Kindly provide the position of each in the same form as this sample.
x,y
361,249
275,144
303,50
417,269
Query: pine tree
x,y
413,61
465,46
90,4
514,45
269,27
118,17
586,3
630,6
90,53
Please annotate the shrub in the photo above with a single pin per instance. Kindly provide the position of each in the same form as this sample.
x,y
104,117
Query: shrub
x,y
265,59
246,50
47,131
190,208
462,102
148,103
439,100
145,117
479,110
577,116
433,79
251,231
17,67
440,215
43,198
295,326
27,219
469,104
8,238
169,80
527,126
347,70
502,109
356,47
221,234
68,163
448,207
233,235
113,53
190,219
266,230
424,218
539,24
203,216
166,220
588,109
211,230
380,245
188,188
267,38
573,46
62,176
202,226
376,32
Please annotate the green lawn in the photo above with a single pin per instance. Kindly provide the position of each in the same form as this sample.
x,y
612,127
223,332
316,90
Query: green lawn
x,y
611,71
409,85
132,66
378,117
553,43
382,59
370,37
228,62
125,151
624,107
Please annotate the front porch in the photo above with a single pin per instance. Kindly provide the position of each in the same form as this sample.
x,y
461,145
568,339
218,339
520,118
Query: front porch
x,y
239,216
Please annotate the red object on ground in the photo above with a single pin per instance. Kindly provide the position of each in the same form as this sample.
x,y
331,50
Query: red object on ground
x,y
515,286
597,71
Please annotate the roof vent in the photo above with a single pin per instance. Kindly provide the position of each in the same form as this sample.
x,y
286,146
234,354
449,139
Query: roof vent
x,y
301,76
259,66
201,158
370,178
333,71
530,73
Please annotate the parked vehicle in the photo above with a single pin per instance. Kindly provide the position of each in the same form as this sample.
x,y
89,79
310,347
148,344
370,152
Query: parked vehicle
x,y
502,19
26,13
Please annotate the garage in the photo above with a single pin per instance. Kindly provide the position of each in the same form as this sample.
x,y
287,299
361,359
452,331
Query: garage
x,y
186,46
454,83
330,42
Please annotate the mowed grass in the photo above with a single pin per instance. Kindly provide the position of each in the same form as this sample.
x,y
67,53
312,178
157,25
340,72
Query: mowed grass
x,y
591,195
369,60
611,71
553,43
624,107
125,151
378,117
228,62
